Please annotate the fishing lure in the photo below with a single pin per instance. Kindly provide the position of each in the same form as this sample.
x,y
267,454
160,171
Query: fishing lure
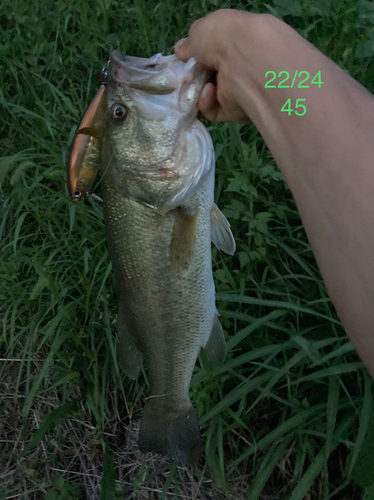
x,y
84,161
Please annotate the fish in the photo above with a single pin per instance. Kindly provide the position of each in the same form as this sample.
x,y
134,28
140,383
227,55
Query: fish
x,y
158,166
84,160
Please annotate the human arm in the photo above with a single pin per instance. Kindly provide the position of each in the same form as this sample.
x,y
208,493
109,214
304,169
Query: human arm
x,y
326,156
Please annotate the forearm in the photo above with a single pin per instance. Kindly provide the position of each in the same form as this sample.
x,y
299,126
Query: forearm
x,y
326,156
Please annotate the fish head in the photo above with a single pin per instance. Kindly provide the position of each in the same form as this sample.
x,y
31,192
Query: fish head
x,y
148,147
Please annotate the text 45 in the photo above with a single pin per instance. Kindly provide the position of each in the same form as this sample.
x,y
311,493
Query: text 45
x,y
299,110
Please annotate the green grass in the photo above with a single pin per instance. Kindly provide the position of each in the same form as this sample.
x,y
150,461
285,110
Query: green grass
x,y
289,414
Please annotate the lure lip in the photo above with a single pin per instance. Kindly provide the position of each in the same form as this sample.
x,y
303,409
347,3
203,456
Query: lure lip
x,y
77,155
79,185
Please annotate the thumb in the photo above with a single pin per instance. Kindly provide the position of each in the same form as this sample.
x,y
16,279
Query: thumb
x,y
208,104
182,50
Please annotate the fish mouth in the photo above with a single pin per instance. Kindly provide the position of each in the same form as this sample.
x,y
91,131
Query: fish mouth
x,y
158,62
157,75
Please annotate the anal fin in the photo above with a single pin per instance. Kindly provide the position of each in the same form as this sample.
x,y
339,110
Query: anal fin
x,y
221,234
215,348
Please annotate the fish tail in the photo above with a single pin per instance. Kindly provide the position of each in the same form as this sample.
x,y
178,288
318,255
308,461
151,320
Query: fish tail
x,y
176,433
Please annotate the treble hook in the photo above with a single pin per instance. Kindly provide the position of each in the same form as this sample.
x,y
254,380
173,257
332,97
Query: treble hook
x,y
103,74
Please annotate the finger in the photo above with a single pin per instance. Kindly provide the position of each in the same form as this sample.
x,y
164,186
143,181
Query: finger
x,y
208,98
199,44
181,50
208,104
212,109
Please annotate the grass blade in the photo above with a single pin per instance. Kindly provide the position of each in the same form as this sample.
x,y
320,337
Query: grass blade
x,y
266,469
364,421
242,299
242,334
48,423
332,410
108,484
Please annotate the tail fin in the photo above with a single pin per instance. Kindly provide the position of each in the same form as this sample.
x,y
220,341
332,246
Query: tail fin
x,y
176,434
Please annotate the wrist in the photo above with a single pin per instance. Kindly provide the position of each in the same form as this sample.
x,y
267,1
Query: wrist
x,y
260,44
257,44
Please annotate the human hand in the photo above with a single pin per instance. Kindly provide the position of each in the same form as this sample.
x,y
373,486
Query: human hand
x,y
210,43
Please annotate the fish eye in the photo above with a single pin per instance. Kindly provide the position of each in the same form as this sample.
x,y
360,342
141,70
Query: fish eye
x,y
118,113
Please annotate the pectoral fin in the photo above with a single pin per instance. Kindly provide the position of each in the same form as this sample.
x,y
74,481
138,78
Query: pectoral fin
x,y
129,356
183,240
220,231
215,348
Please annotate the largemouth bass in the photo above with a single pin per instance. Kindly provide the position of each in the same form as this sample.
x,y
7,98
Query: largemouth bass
x,y
157,162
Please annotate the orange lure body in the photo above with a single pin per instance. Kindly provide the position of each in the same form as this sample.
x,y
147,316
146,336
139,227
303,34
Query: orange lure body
x,y
84,161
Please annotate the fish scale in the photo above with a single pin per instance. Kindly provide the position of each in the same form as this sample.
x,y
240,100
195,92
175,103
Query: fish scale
x,y
170,316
